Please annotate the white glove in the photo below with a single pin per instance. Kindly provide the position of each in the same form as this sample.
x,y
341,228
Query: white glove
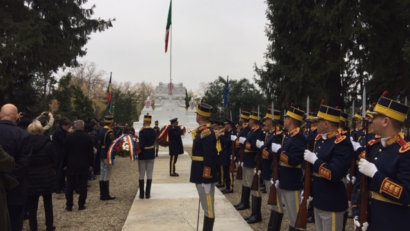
x,y
310,156
275,147
182,127
271,181
242,140
348,178
207,188
277,184
351,138
356,145
367,168
95,150
233,137
357,224
259,143
242,164
308,200
259,172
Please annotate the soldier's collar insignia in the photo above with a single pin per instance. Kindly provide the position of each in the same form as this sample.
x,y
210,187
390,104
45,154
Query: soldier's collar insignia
x,y
314,129
394,139
255,128
333,134
373,142
318,137
294,131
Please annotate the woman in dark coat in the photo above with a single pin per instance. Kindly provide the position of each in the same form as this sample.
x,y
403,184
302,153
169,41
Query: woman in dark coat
x,y
42,176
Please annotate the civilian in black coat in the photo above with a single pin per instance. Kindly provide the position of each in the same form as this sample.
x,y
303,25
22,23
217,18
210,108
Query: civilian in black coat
x,y
58,142
42,176
175,145
78,159
17,143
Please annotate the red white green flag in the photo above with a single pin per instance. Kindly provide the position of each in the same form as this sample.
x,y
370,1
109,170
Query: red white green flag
x,y
168,27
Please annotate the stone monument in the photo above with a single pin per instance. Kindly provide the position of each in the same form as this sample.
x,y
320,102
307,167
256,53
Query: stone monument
x,y
170,103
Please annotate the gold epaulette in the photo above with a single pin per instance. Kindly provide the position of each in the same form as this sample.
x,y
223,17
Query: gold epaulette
x,y
205,133
295,132
339,139
405,147
373,142
278,132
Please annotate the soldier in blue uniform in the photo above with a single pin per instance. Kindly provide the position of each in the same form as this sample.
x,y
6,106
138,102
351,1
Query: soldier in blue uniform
x,y
330,159
387,167
147,137
290,155
249,165
358,134
273,135
175,145
244,130
203,168
106,137
157,132
225,155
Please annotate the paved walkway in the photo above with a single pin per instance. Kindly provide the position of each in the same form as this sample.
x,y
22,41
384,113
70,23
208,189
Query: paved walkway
x,y
173,205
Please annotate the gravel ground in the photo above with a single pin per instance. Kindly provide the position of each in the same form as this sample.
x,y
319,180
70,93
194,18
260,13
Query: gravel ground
x,y
99,215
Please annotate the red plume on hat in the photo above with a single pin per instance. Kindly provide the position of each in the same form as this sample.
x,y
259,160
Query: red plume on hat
x,y
292,104
337,107
269,107
373,104
202,101
385,94
323,102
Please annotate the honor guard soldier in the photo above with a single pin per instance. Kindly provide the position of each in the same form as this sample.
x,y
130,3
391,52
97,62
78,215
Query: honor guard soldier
x,y
175,145
273,136
343,128
359,132
157,132
387,166
243,133
225,155
147,137
106,138
249,166
290,156
219,170
330,159
203,168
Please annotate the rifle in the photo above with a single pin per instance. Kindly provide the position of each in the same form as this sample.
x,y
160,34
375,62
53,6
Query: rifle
x,y
232,167
353,166
364,187
301,220
241,159
272,200
255,181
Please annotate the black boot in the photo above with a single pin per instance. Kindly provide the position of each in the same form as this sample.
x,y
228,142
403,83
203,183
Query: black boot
x,y
275,221
245,203
256,210
148,189
310,214
106,188
141,189
156,152
345,220
253,210
101,190
208,223
242,196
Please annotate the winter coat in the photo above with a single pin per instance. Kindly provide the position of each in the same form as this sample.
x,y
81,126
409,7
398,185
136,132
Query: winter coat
x,y
42,175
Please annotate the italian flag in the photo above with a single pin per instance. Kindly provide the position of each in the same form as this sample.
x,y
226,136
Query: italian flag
x,y
168,27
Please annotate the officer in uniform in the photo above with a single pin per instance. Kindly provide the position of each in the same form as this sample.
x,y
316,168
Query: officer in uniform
x,y
330,159
147,137
244,130
290,154
272,136
175,145
249,165
387,166
157,132
203,168
225,155
106,137
219,169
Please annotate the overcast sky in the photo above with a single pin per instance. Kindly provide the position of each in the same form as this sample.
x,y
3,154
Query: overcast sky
x,y
210,38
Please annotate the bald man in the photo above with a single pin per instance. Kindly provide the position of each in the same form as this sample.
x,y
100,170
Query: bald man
x,y
16,142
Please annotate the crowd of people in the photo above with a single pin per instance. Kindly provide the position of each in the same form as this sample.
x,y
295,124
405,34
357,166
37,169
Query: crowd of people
x,y
35,164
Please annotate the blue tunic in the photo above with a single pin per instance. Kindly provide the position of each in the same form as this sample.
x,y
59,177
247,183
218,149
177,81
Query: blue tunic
x,y
335,155
250,150
204,156
291,159
225,155
106,137
147,137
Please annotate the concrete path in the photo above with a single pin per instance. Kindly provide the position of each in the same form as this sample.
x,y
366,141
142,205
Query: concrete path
x,y
173,205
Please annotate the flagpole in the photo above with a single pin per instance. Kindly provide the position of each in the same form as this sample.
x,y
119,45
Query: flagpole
x,y
170,51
